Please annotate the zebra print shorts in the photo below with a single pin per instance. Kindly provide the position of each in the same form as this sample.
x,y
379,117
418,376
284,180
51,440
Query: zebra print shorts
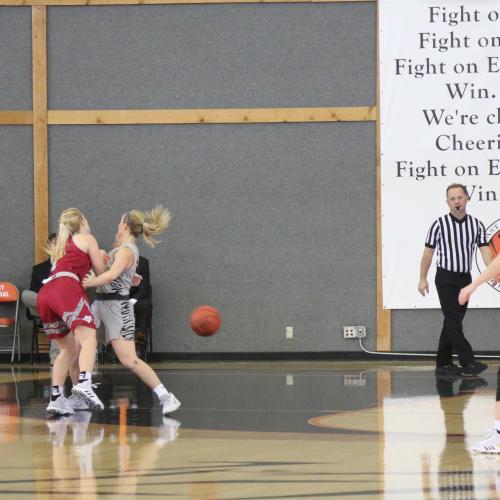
x,y
116,318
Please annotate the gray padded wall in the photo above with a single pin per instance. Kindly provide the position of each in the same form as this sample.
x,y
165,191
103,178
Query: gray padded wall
x,y
192,56
15,58
262,213
16,174
16,156
420,329
264,219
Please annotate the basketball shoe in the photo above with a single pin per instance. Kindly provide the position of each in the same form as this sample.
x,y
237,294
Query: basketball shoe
x,y
490,444
78,404
59,406
84,391
169,404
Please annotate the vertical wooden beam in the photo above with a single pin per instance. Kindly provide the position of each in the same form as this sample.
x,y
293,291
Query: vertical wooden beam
x,y
384,332
40,142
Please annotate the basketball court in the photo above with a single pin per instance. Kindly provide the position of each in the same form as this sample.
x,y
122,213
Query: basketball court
x,y
254,431
304,149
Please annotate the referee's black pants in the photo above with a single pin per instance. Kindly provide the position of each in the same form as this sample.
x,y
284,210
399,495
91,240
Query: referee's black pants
x,y
452,337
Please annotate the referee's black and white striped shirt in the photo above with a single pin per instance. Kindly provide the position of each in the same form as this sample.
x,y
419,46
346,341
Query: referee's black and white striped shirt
x,y
456,241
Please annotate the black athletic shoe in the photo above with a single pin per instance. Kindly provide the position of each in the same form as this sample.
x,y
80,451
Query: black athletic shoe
x,y
474,368
448,371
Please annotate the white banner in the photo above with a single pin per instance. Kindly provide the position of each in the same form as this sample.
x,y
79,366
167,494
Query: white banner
x,y
440,124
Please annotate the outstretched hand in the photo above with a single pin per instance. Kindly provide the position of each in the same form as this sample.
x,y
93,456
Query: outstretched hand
x,y
465,294
88,280
136,280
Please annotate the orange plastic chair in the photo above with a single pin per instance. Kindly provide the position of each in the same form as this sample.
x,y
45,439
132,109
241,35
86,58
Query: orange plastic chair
x,y
10,293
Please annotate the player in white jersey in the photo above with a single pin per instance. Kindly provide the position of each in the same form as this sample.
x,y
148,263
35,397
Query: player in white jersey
x,y
112,305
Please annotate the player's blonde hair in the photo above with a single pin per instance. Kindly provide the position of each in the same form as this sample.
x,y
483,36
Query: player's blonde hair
x,y
148,224
69,224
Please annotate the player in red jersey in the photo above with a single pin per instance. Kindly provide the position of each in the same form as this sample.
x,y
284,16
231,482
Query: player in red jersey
x,y
63,307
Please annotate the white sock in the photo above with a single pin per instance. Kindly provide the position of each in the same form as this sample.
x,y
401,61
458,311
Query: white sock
x,y
161,391
497,425
85,377
57,390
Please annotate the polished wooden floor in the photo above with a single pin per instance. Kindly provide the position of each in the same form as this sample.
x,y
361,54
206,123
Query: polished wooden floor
x,y
254,431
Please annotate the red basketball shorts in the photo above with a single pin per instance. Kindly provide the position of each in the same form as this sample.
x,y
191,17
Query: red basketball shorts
x,y
63,305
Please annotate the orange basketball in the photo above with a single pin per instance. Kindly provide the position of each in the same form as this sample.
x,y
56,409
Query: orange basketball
x,y
205,321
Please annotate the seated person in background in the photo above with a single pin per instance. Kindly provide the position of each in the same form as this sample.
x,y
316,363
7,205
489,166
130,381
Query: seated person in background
x,y
40,272
141,297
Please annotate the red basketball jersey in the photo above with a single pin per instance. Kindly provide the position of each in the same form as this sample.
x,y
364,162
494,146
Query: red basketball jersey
x,y
74,261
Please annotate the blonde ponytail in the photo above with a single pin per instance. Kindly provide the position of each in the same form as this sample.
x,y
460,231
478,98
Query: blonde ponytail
x,y
69,223
148,224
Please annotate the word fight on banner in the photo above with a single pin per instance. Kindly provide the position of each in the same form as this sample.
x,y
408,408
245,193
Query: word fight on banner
x,y
439,67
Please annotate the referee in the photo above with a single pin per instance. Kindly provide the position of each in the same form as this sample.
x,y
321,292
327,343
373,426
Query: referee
x,y
455,235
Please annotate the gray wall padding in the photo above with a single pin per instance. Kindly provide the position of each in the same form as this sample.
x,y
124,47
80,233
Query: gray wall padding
x,y
16,174
420,329
272,224
15,58
192,56
17,242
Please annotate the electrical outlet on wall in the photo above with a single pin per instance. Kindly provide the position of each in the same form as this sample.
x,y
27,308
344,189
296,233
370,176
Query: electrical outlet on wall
x,y
355,379
354,332
360,332
349,332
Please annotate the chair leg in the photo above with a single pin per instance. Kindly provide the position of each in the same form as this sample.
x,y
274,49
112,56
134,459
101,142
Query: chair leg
x,y
150,340
37,347
13,352
14,343
144,347
33,333
18,343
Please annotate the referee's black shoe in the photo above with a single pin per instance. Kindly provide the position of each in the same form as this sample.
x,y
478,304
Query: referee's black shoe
x,y
448,371
474,368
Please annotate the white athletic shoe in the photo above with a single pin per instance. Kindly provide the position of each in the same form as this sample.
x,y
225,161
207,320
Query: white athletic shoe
x,y
169,404
78,404
490,444
85,392
60,406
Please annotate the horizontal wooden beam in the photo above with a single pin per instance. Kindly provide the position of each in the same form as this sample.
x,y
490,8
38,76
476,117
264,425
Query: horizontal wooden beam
x,y
16,117
158,2
179,116
185,116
